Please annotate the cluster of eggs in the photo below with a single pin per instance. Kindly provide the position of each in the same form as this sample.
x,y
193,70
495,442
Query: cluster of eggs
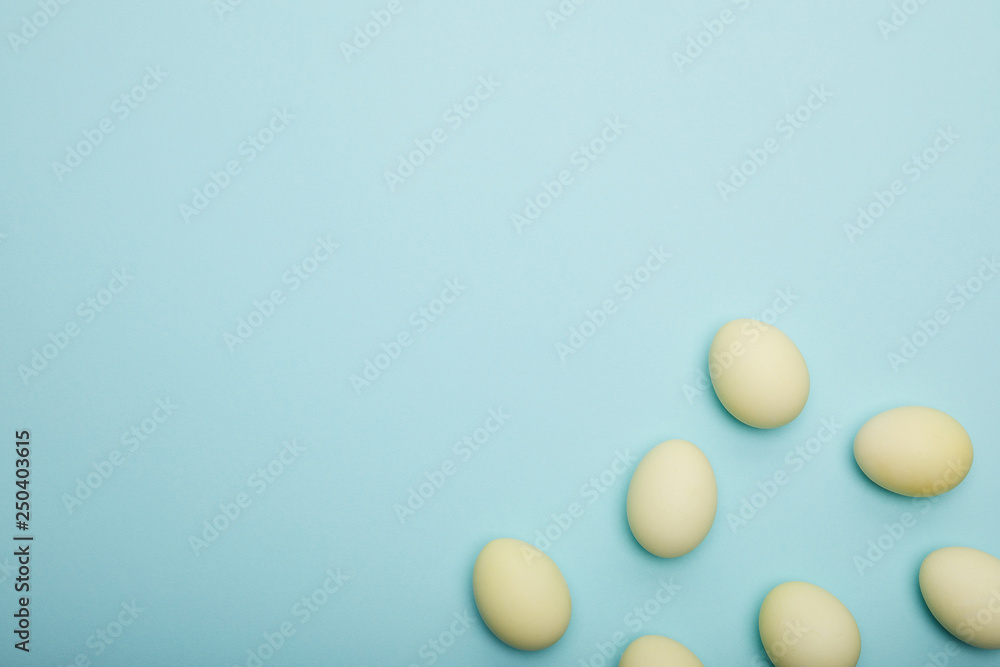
x,y
761,378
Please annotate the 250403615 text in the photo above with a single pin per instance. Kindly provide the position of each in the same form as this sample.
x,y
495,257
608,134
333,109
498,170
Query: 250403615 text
x,y
22,542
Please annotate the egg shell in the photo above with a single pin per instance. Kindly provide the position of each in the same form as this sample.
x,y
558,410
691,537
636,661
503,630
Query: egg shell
x,y
758,373
521,594
672,499
914,451
961,587
657,651
803,625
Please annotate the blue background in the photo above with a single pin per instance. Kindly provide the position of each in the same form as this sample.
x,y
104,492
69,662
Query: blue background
x,y
495,346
